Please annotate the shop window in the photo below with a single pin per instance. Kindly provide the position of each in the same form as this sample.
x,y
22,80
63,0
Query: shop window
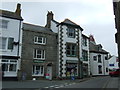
x,y
38,70
9,66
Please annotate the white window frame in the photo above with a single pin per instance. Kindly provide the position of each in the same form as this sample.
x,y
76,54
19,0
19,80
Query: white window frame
x,y
8,62
42,54
35,71
71,32
36,40
5,45
3,24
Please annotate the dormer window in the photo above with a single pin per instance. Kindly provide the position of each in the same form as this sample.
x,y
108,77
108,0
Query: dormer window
x,y
71,32
4,24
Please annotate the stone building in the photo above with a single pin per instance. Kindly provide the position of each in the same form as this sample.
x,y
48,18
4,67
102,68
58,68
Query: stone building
x,y
99,62
39,52
116,6
10,42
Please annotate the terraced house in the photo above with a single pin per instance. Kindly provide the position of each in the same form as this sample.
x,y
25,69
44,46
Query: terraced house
x,y
85,56
69,46
10,42
39,52
99,59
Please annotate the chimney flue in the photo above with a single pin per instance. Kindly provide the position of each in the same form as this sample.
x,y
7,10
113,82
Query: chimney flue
x,y
18,9
49,18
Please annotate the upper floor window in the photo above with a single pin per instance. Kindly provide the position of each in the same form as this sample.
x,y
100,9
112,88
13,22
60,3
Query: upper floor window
x,y
84,41
6,43
39,54
99,58
71,49
85,55
39,40
4,24
95,58
71,32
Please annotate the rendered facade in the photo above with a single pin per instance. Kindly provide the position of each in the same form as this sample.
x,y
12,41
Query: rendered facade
x,y
10,42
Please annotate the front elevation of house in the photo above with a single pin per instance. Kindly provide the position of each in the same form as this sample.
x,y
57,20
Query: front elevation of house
x,y
10,42
39,52
69,46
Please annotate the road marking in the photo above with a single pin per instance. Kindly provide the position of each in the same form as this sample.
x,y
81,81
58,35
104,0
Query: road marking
x,y
52,86
46,87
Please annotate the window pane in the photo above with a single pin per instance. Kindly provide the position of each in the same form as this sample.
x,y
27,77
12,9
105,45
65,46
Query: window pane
x,y
43,54
71,32
3,43
68,50
12,67
10,43
3,24
35,39
4,67
41,69
39,39
35,54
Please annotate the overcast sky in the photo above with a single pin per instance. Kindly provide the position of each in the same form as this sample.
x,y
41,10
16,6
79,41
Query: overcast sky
x,y
94,16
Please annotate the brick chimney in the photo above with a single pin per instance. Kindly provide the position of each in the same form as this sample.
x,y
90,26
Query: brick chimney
x,y
49,18
18,9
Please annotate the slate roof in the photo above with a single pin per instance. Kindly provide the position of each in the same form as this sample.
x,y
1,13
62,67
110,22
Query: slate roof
x,y
36,28
70,23
97,48
10,14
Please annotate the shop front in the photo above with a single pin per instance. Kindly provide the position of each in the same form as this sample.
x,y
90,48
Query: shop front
x,y
71,68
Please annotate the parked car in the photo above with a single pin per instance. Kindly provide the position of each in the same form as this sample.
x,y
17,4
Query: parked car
x,y
115,72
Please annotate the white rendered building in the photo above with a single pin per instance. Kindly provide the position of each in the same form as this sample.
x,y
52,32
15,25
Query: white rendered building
x,y
10,41
113,62
99,63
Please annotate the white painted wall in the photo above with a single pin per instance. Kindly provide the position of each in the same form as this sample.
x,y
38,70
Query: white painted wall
x,y
112,60
87,49
94,64
13,32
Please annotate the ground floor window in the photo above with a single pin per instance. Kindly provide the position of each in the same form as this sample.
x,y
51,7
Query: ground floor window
x,y
9,65
71,69
85,69
38,70
100,69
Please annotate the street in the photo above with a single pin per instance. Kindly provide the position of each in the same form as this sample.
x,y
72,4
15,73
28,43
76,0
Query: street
x,y
94,82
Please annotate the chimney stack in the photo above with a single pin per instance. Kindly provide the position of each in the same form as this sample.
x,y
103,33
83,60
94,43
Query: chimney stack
x,y
49,18
18,9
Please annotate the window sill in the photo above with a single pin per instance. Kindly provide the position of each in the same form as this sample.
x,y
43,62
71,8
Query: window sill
x,y
39,58
37,75
40,43
71,56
